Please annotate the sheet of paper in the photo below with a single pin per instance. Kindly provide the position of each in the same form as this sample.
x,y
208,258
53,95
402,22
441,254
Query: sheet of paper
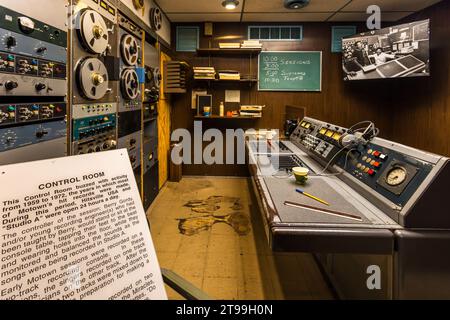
x,y
75,228
233,96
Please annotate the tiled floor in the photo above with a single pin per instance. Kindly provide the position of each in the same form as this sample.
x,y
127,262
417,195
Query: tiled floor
x,y
219,261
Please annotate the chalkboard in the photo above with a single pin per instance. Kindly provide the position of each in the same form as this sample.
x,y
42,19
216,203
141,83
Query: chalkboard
x,y
290,71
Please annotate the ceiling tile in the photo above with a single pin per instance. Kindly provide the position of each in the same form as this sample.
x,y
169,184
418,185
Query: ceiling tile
x,y
195,6
284,17
390,5
362,16
203,17
277,6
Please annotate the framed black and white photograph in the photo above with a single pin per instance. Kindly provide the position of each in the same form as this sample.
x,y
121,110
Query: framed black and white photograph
x,y
394,52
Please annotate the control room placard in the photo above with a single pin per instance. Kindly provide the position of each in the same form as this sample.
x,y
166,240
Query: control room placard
x,y
74,228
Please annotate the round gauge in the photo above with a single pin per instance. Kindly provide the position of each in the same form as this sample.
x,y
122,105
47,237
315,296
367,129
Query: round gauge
x,y
396,176
26,25
8,139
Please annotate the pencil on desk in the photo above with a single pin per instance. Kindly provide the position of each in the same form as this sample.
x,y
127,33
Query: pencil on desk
x,y
312,197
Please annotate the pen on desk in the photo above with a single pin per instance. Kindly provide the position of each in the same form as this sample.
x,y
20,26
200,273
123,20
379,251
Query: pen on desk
x,y
312,197
325,211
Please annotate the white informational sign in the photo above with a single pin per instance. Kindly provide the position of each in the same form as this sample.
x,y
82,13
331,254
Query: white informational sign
x,y
75,228
233,96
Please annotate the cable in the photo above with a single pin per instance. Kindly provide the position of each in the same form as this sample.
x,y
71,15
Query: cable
x,y
278,176
322,173
367,129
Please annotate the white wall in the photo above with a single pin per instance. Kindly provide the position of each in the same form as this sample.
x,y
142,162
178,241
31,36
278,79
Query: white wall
x,y
52,12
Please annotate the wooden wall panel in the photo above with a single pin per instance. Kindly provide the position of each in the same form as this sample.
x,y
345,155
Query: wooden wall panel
x,y
412,111
164,126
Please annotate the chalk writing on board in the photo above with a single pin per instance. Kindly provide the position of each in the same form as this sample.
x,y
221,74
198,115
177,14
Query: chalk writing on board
x,y
290,71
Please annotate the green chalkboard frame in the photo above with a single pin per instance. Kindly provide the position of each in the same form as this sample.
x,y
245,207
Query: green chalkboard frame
x,y
288,89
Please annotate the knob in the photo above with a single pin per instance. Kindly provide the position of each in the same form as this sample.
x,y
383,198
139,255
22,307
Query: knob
x,y
41,50
11,42
40,86
41,133
10,85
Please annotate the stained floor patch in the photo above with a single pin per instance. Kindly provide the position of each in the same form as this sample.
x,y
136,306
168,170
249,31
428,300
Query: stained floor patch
x,y
218,260
211,207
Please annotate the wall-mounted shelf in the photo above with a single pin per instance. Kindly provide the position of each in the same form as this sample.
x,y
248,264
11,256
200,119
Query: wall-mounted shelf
x,y
215,117
218,51
250,81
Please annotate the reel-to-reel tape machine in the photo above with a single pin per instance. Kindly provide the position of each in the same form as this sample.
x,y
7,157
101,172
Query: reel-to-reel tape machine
x,y
130,92
94,78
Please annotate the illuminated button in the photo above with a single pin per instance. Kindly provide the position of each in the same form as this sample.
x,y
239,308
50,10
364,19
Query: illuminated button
x,y
366,170
383,156
359,165
11,109
377,164
364,158
363,168
376,153
372,162
371,172
369,151
368,160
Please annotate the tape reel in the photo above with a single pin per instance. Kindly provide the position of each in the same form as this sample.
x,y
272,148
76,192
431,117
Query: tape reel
x,y
156,18
129,84
157,78
93,32
92,78
129,49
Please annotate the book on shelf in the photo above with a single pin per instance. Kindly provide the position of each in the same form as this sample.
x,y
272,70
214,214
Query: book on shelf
x,y
251,114
229,75
229,45
210,77
204,73
250,108
203,68
251,44
251,111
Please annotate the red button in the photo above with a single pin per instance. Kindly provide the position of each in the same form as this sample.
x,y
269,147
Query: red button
x,y
377,164
371,172
376,153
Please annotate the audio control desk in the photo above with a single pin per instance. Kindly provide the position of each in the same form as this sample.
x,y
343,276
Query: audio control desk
x,y
384,209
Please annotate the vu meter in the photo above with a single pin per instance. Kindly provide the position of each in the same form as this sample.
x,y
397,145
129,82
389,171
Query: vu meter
x,y
396,176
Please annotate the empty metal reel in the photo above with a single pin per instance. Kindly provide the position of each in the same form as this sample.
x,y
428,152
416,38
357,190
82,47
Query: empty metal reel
x,y
157,78
156,18
129,84
92,78
93,32
130,50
